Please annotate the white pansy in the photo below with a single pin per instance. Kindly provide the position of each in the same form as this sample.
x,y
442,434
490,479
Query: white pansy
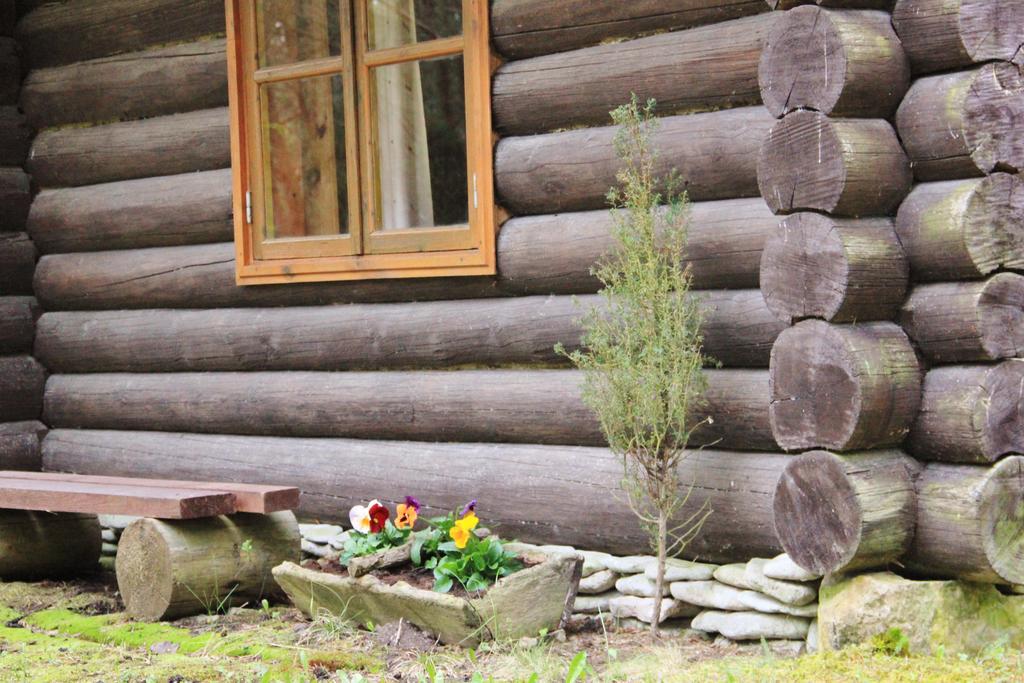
x,y
359,516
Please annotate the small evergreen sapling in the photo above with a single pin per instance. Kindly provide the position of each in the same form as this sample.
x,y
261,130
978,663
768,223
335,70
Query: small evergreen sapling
x,y
641,353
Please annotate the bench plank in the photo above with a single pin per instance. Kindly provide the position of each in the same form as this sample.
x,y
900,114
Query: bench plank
x,y
141,501
254,498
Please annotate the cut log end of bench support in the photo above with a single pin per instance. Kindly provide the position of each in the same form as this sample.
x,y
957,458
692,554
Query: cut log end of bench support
x,y
168,569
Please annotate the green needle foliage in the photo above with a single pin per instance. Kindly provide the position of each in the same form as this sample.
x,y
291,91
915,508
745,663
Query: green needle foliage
x,y
641,352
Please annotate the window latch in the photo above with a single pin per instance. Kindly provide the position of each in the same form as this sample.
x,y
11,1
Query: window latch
x,y
248,207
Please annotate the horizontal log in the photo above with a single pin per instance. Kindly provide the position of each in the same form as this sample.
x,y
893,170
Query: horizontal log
x,y
555,254
700,69
17,263
513,406
837,4
846,167
18,315
841,63
841,270
939,35
41,545
22,380
552,483
15,199
15,137
11,70
526,28
840,513
715,154
970,413
843,387
963,322
61,33
964,124
179,277
191,208
20,445
173,568
738,332
167,80
963,229
970,522
165,145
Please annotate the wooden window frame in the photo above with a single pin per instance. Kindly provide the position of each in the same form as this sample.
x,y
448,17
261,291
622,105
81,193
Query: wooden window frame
x,y
419,252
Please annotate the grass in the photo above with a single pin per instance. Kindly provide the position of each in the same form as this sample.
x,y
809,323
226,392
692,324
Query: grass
x,y
50,632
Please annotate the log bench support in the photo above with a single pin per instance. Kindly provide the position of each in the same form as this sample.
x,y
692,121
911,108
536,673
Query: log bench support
x,y
36,545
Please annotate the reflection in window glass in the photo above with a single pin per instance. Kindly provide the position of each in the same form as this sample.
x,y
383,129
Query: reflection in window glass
x,y
292,31
400,22
420,113
304,160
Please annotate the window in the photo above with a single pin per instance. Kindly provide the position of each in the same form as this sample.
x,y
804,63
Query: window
x,y
361,139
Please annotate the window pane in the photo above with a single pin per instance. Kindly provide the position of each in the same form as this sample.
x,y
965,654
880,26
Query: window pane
x,y
400,22
293,31
420,111
304,160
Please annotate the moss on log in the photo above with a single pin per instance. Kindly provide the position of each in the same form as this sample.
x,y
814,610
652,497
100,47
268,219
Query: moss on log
x,y
964,124
841,270
843,513
841,63
970,413
175,568
846,167
963,229
843,387
963,322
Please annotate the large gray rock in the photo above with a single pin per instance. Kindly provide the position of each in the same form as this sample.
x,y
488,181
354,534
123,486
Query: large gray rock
x,y
954,616
632,564
594,604
759,602
785,569
599,582
632,607
709,594
751,625
789,592
594,562
681,570
734,575
640,586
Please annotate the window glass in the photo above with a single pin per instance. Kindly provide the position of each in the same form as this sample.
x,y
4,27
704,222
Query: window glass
x,y
420,117
304,159
292,31
394,23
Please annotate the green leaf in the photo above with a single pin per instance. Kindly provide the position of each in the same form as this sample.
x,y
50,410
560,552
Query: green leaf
x,y
448,547
476,583
443,584
577,668
416,552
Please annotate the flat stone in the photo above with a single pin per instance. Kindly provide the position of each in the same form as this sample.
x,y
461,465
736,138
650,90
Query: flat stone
x,y
116,522
594,562
108,549
734,575
709,594
784,591
338,542
108,536
592,604
681,570
640,586
956,617
812,636
672,627
320,533
752,625
600,582
785,569
559,551
316,550
759,602
632,607
632,564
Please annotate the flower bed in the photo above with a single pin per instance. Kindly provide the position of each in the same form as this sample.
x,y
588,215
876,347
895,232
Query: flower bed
x,y
447,578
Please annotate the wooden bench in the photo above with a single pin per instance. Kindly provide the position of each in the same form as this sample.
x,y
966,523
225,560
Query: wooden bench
x,y
197,546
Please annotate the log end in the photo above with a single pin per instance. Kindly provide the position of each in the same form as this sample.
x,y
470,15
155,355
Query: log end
x,y
800,165
994,223
1002,519
1003,412
1001,316
993,117
992,29
145,577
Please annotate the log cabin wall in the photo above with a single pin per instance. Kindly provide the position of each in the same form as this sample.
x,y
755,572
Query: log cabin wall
x,y
449,388
22,378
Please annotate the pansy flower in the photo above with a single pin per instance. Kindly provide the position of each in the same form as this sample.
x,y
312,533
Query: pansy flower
x,y
407,513
378,517
462,529
470,507
359,516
